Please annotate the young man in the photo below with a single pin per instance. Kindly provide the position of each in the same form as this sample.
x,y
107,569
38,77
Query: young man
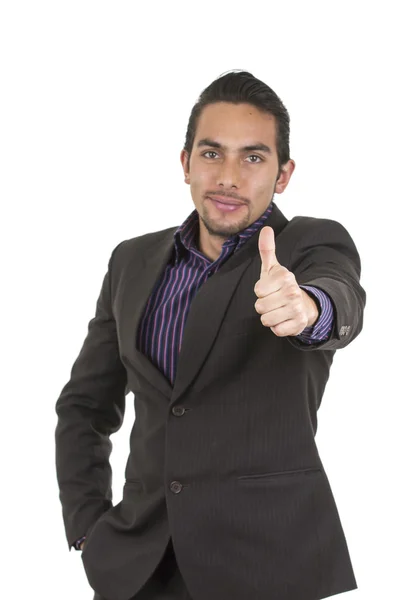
x,y
224,329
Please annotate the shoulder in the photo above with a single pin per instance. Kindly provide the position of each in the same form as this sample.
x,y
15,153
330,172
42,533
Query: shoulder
x,y
303,231
134,248
301,225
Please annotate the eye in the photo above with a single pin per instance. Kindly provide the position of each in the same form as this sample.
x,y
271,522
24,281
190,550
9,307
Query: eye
x,y
251,155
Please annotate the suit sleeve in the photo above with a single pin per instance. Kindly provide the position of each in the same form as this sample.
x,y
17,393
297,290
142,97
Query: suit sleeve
x,y
326,257
90,408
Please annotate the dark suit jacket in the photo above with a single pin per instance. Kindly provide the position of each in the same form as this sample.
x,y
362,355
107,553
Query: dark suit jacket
x,y
225,460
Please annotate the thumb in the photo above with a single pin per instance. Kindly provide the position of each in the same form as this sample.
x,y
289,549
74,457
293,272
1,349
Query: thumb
x,y
267,250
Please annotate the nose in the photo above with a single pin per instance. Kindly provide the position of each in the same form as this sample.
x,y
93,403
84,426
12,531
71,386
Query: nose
x,y
229,175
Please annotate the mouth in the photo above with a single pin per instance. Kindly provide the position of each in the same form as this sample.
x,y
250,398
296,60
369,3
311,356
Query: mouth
x,y
225,206
225,200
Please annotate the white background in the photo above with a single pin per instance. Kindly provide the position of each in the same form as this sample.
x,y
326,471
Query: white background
x,y
95,100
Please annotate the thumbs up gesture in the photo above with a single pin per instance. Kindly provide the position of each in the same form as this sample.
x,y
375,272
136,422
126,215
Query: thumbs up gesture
x,y
284,307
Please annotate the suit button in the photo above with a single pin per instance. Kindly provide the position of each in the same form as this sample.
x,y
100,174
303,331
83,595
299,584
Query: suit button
x,y
178,411
176,487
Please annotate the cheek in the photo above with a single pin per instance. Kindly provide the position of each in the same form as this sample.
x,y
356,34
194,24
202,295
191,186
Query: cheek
x,y
196,187
263,189
262,185
200,181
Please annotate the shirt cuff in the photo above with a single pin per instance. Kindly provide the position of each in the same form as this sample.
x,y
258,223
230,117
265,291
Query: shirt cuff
x,y
78,542
321,329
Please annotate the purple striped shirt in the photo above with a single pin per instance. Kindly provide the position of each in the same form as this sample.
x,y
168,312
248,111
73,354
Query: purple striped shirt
x,y
161,328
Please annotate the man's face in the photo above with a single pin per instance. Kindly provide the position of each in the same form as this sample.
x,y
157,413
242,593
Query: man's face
x,y
248,176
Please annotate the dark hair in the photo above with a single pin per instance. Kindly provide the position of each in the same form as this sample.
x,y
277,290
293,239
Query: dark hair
x,y
237,87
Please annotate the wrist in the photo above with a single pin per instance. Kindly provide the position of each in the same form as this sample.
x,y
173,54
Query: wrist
x,y
312,310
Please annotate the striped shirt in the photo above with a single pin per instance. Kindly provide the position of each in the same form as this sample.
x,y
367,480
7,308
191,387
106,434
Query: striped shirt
x,y
162,324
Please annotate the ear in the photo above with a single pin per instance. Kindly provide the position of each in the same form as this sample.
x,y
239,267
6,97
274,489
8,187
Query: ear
x,y
185,164
285,175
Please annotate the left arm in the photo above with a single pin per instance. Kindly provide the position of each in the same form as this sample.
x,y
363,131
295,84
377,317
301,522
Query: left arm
x,y
326,258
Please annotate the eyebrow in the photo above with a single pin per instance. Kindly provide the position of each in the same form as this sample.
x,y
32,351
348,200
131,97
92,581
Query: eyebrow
x,y
214,144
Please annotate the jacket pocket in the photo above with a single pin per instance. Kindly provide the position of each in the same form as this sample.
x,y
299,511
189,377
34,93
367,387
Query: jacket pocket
x,y
275,475
133,482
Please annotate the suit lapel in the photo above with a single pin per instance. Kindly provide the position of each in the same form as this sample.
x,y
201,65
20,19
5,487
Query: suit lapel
x,y
206,312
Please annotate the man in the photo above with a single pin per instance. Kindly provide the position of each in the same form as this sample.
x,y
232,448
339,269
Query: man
x,y
224,329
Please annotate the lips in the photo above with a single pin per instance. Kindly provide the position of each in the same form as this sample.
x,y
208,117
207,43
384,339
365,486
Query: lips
x,y
224,200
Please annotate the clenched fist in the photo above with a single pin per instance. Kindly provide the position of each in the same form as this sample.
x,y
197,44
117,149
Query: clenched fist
x,y
283,305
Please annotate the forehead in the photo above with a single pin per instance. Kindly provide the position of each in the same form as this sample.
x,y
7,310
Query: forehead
x,y
235,124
